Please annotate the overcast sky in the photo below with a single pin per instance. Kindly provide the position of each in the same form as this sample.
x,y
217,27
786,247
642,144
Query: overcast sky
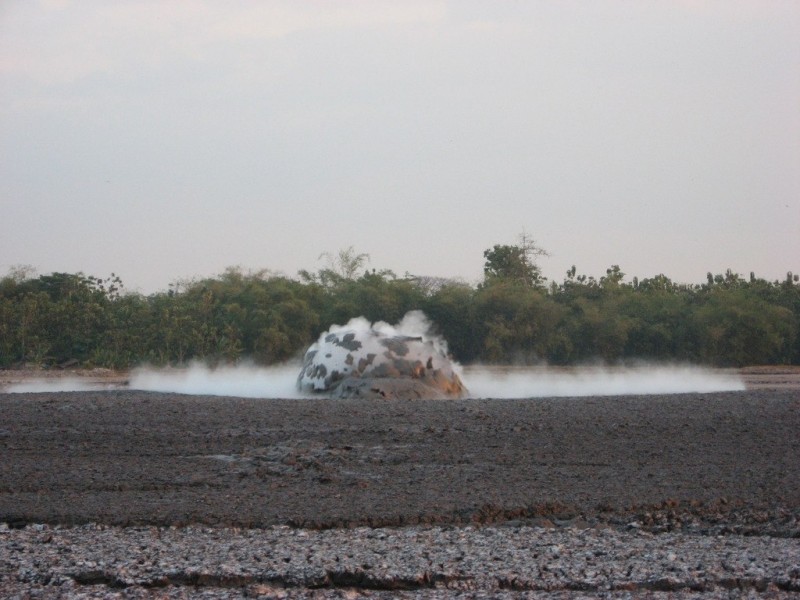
x,y
167,140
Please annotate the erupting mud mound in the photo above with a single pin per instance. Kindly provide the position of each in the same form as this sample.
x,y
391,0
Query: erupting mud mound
x,y
362,360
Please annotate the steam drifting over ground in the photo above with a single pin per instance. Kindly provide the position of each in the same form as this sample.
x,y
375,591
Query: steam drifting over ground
x,y
279,382
537,382
541,382
244,381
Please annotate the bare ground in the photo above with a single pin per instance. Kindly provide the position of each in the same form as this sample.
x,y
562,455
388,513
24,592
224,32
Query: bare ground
x,y
691,465
137,458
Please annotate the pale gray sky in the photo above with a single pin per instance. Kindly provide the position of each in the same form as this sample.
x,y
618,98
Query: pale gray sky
x,y
164,140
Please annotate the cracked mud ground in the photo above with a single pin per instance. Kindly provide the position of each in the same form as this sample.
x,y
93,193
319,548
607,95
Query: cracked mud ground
x,y
694,464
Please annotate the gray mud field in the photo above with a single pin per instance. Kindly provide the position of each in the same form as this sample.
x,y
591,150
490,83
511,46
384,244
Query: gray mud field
x,y
550,481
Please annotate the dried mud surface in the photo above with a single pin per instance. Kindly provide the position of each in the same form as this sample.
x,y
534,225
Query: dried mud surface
x,y
139,458
698,465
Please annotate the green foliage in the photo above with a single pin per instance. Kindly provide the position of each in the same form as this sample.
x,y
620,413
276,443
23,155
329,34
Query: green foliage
x,y
735,328
659,321
451,309
64,318
340,269
518,323
514,264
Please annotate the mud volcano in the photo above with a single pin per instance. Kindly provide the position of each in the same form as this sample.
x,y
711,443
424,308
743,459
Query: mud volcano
x,y
364,360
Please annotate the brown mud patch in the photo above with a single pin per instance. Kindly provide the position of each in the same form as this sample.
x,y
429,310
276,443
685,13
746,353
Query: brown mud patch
x,y
771,377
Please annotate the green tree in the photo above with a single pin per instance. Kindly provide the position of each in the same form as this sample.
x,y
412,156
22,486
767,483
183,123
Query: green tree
x,y
514,263
733,328
450,307
342,267
517,324
510,317
659,313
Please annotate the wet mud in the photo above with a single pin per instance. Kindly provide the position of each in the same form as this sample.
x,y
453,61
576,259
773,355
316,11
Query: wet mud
x,y
727,462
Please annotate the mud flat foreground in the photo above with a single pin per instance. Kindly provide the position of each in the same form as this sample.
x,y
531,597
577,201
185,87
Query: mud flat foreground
x,y
136,494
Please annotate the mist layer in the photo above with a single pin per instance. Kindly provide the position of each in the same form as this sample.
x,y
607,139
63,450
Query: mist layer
x,y
596,381
482,382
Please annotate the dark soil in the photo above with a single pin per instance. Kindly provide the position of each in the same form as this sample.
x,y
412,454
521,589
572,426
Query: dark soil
x,y
705,462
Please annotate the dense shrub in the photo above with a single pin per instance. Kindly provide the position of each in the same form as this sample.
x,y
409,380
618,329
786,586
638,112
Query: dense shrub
x,y
76,319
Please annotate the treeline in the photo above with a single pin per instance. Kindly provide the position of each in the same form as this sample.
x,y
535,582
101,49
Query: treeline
x,y
513,316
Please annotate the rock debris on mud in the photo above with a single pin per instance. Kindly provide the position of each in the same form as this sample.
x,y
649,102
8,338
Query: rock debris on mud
x,y
280,562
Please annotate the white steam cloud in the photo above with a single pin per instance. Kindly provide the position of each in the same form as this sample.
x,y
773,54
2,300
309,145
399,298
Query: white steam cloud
x,y
518,382
596,381
344,360
413,324
244,381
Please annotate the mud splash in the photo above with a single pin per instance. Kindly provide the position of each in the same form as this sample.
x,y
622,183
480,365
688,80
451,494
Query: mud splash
x,y
377,360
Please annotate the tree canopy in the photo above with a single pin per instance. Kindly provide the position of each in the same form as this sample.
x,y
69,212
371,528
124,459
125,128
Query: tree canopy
x,y
514,263
510,317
